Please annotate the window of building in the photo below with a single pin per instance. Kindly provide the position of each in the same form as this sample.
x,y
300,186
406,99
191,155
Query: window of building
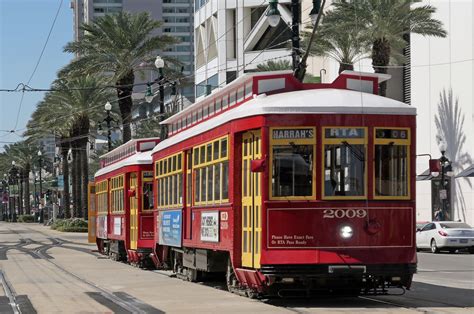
x,y
117,194
101,190
211,172
392,151
345,162
170,181
292,163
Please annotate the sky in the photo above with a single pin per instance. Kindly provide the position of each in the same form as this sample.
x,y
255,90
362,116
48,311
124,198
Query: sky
x,y
24,27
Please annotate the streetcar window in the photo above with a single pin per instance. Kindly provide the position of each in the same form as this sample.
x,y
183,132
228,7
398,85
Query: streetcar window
x,y
210,177
224,148
391,170
344,173
217,182
148,199
292,173
225,180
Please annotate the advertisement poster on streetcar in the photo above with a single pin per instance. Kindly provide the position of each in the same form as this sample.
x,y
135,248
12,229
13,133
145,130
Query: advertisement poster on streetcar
x,y
118,225
102,227
210,226
169,225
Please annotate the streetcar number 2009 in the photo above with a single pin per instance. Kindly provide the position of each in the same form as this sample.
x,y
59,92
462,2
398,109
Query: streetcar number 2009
x,y
345,213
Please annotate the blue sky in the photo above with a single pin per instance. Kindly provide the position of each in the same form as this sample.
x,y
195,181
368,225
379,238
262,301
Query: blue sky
x,y
24,27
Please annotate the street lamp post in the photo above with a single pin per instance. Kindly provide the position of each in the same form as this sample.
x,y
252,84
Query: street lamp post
x,y
273,18
13,174
108,120
159,64
40,162
446,171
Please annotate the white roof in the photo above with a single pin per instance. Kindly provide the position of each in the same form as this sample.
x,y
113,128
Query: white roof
x,y
140,158
313,101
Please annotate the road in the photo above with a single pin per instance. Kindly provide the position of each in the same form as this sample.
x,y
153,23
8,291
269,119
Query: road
x,y
45,271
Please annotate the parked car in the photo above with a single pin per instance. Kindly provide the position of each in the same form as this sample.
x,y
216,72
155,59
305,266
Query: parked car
x,y
445,235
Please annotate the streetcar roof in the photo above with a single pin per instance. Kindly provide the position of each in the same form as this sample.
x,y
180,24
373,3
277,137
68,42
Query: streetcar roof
x,y
139,158
310,101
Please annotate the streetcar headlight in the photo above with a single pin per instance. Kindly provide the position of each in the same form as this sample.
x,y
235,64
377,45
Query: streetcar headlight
x,y
346,232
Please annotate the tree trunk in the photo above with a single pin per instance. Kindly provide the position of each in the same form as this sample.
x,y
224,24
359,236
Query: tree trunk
x,y
83,142
76,180
380,60
85,180
124,93
345,66
65,165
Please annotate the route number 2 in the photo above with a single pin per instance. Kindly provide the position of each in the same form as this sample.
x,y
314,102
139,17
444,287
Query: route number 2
x,y
345,213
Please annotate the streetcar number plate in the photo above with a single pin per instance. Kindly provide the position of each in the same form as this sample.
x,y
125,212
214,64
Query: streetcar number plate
x,y
345,213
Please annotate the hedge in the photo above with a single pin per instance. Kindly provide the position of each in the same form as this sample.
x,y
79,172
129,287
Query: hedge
x,y
26,218
70,225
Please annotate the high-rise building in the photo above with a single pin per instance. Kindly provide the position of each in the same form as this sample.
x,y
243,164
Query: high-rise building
x,y
177,18
233,37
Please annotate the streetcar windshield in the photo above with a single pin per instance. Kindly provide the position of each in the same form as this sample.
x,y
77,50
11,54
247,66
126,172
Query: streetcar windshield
x,y
292,173
147,195
391,170
344,170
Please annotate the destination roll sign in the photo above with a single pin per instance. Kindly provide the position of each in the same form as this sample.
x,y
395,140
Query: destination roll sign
x,y
392,134
344,133
293,134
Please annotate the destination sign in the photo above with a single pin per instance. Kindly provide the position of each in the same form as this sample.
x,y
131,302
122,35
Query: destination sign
x,y
292,134
392,134
147,174
344,133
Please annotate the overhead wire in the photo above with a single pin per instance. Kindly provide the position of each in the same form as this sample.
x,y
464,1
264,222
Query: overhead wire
x,y
37,63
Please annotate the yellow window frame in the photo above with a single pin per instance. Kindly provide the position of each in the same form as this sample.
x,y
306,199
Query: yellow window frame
x,y
276,142
209,165
396,142
117,184
146,179
340,140
169,169
101,189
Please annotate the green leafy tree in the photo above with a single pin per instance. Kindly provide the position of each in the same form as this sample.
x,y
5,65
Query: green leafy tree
x,y
385,23
117,44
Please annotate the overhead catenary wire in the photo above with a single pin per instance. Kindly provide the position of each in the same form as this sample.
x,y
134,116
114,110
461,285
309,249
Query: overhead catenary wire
x,y
37,62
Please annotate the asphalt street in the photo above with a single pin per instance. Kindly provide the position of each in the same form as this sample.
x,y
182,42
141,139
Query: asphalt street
x,y
45,271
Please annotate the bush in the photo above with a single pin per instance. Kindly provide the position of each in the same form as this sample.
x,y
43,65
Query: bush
x,y
26,218
70,225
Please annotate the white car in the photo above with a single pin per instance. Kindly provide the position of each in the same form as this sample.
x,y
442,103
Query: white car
x,y
445,235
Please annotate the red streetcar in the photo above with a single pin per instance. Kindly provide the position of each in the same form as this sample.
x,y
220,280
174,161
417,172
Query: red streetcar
x,y
289,187
121,203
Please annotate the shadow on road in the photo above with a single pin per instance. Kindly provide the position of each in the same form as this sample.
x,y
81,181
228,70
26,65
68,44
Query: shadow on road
x,y
422,295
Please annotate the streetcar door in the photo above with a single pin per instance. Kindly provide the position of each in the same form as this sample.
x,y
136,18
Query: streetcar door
x,y
251,201
92,214
133,211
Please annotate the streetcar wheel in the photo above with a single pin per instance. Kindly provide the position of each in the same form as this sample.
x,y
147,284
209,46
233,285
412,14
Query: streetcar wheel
x,y
434,247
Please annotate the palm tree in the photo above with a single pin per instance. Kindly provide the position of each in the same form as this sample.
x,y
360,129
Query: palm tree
x,y
274,66
77,103
24,153
345,46
47,120
385,22
118,44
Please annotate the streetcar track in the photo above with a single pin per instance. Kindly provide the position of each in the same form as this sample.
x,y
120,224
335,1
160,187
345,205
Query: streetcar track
x,y
131,306
10,293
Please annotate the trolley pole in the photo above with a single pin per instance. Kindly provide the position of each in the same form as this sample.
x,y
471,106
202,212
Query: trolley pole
x,y
295,33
